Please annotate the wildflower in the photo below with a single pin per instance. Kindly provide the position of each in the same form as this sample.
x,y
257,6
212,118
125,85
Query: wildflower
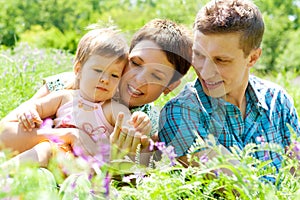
x,y
266,155
25,65
246,180
127,179
160,145
204,159
98,160
217,172
76,197
47,123
171,154
90,176
56,139
151,146
261,140
106,184
73,185
168,151
77,151
296,147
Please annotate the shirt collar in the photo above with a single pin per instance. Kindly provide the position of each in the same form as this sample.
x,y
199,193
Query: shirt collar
x,y
254,89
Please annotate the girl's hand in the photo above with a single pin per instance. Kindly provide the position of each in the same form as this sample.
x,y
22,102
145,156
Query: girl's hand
x,y
141,122
29,119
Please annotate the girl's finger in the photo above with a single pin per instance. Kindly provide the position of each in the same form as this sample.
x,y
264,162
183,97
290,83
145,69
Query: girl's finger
x,y
145,124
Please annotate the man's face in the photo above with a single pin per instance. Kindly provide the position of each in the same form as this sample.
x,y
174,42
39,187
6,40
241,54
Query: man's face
x,y
220,64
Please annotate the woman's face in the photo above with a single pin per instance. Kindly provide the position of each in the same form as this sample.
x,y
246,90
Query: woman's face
x,y
147,74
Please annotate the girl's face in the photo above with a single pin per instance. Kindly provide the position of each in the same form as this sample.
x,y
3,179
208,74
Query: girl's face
x,y
147,75
99,77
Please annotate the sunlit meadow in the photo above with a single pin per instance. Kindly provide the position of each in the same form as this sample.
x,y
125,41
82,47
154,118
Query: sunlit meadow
x,y
21,74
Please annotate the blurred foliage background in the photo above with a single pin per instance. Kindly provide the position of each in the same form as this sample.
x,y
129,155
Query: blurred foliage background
x,y
60,23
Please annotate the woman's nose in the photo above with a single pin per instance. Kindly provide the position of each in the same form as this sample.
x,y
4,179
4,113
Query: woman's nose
x,y
141,76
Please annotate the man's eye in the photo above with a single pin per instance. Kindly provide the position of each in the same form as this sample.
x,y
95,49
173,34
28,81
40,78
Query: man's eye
x,y
98,70
220,60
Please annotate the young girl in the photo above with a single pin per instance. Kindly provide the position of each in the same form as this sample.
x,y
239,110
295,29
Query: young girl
x,y
100,59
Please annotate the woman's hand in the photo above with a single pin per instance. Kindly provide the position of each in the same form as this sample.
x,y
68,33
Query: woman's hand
x,y
74,137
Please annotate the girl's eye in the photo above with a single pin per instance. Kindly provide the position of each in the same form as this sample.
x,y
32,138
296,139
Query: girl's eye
x,y
115,75
98,70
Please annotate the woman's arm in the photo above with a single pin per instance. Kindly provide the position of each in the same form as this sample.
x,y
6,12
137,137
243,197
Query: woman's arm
x,y
43,91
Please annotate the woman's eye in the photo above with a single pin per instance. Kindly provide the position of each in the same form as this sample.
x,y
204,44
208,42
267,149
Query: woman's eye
x,y
135,63
196,54
98,70
157,77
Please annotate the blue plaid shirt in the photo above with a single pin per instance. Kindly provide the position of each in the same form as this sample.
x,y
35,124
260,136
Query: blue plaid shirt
x,y
268,111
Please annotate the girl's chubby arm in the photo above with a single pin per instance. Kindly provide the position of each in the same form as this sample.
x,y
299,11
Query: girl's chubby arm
x,y
31,116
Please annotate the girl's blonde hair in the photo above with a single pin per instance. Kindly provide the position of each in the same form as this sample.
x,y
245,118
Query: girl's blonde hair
x,y
101,41
108,42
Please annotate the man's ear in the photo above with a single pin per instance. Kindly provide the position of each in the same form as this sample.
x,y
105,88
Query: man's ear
x,y
171,87
254,56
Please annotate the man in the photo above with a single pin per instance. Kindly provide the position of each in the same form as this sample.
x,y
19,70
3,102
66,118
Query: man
x,y
225,100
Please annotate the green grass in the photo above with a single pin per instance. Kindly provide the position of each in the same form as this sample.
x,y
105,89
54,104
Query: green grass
x,y
22,71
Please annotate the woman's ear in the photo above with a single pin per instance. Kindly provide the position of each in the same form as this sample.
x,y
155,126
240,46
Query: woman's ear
x,y
254,56
171,87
